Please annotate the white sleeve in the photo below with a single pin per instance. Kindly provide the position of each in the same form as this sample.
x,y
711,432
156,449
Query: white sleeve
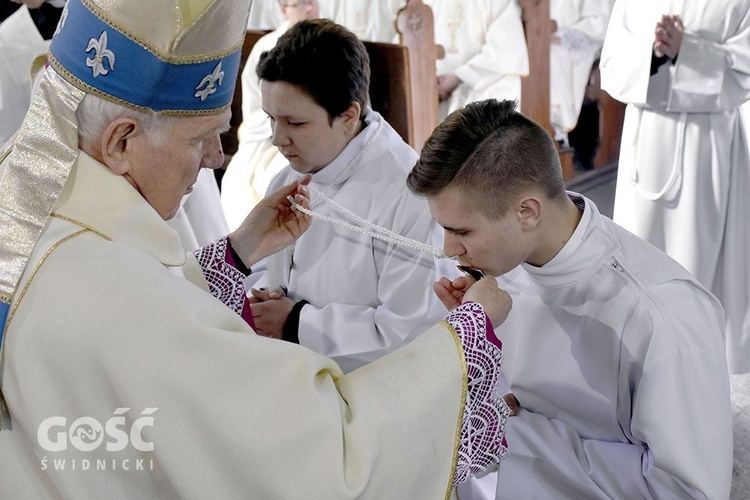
x,y
354,335
712,76
677,442
708,76
383,20
503,53
626,58
593,20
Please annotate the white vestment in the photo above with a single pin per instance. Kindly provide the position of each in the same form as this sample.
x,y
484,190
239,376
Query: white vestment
x,y
485,46
581,25
200,219
257,160
366,297
116,340
20,43
684,169
265,15
616,356
740,384
369,20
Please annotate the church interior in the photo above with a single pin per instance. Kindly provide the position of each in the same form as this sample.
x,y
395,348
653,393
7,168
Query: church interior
x,y
405,56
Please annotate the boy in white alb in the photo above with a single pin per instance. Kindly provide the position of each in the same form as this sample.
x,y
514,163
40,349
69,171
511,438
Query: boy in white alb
x,y
614,351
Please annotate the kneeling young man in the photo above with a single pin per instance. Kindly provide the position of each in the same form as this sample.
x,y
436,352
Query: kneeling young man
x,y
614,351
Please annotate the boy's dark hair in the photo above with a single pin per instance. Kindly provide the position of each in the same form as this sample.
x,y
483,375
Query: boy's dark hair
x,y
493,153
324,60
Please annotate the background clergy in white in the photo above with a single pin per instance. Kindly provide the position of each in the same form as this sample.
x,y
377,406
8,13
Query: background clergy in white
x,y
684,169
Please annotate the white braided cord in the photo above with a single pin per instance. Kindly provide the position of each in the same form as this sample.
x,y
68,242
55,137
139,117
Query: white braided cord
x,y
362,225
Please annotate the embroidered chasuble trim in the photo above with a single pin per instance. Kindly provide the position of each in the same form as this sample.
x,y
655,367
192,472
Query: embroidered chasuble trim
x,y
224,280
459,423
81,224
105,236
37,267
482,437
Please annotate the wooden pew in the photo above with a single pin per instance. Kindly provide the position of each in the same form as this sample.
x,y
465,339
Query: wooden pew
x,y
403,81
391,87
535,90
229,139
611,119
535,100
535,97
415,26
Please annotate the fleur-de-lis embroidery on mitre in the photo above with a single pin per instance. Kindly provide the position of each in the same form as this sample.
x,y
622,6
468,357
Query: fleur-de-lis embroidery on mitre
x,y
63,18
101,52
208,85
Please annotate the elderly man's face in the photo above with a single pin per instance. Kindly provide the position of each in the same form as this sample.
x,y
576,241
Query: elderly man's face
x,y
163,174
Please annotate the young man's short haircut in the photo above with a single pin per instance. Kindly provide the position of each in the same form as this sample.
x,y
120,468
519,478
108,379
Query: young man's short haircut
x,y
493,153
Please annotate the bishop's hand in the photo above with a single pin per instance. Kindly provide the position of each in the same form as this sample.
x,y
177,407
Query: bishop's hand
x,y
272,224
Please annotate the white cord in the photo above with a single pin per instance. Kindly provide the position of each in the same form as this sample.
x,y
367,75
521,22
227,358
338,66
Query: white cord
x,y
364,226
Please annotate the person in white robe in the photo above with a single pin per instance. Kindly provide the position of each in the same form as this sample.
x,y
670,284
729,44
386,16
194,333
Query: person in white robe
x,y
257,160
21,41
130,369
579,27
615,353
371,21
349,296
740,384
265,14
485,51
684,167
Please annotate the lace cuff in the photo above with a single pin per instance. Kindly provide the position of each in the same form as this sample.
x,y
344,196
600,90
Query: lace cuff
x,y
225,281
482,442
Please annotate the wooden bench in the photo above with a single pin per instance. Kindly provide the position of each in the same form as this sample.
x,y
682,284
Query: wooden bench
x,y
611,119
535,96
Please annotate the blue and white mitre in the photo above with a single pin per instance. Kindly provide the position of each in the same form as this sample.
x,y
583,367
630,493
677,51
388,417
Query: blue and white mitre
x,y
177,57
